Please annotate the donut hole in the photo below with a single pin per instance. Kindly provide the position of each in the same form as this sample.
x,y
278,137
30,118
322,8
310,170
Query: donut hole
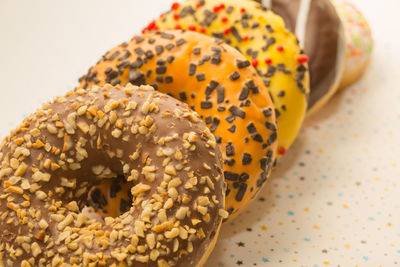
x,y
111,198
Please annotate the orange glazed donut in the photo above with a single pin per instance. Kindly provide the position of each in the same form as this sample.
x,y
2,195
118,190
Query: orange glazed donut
x,y
219,83
49,163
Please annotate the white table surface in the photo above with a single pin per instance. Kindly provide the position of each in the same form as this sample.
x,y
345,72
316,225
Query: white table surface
x,y
334,199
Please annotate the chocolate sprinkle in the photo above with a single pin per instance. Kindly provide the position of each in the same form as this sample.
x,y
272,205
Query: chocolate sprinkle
x,y
232,129
230,149
167,36
271,139
252,86
244,93
231,176
192,69
180,42
159,49
139,51
160,79
170,59
246,158
169,46
114,55
213,84
124,205
161,69
98,197
237,112
149,54
230,118
197,51
253,132
208,91
241,192
136,77
267,112
137,63
169,79
234,76
182,96
139,39
229,162
242,64
220,94
236,34
200,77
214,124
270,126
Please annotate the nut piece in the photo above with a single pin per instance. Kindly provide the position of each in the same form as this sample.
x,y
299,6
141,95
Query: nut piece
x,y
139,188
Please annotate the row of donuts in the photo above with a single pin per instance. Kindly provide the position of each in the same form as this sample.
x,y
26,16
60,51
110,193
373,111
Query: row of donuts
x,y
114,174
167,157
276,54
262,37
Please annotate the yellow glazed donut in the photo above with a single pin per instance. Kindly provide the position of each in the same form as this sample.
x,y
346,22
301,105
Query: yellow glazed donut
x,y
359,41
219,83
262,37
49,163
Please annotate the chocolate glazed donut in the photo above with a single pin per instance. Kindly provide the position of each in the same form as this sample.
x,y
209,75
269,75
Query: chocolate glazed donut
x,y
49,163
320,32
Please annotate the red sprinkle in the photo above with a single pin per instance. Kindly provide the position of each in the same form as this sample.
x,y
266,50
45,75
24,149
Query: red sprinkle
x,y
242,10
281,151
302,58
227,31
245,38
178,27
202,30
152,25
175,6
279,48
268,61
218,8
162,15
198,5
254,62
224,19
176,16
192,28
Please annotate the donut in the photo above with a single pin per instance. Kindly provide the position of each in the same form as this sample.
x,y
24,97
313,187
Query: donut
x,y
321,35
262,37
359,42
51,160
216,81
